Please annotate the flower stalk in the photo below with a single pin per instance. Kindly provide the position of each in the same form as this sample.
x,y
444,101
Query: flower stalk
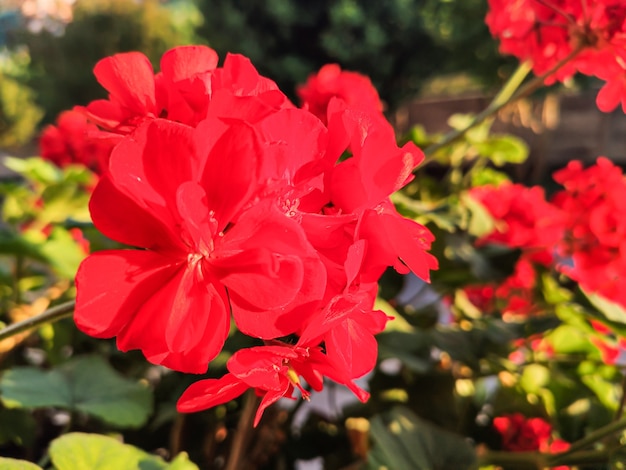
x,y
51,315
509,93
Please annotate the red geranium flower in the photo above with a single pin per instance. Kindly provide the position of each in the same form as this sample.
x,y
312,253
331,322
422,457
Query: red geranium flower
x,y
353,88
181,196
73,140
272,371
186,89
594,225
524,219
549,31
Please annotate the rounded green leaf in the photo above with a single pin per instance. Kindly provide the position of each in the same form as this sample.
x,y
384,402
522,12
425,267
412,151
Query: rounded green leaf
x,y
87,384
15,464
80,451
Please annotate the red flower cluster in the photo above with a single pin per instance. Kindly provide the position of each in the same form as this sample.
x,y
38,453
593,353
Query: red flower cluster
x,y
242,204
584,225
521,434
73,140
524,219
514,296
547,32
594,227
353,88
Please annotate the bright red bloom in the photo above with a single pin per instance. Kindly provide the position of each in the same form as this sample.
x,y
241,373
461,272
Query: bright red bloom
x,y
273,371
189,88
513,296
517,292
521,434
524,219
594,247
547,32
72,141
180,195
248,205
330,81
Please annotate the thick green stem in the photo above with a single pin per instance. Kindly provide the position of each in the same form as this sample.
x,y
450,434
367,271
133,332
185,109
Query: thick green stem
x,y
49,316
588,440
510,93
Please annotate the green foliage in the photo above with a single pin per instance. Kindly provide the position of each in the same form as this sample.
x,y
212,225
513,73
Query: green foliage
x,y
14,464
79,451
392,42
19,115
62,66
86,384
402,440
477,144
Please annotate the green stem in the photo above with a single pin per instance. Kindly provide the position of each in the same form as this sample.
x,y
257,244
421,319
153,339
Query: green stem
x,y
512,460
49,316
588,440
539,461
508,94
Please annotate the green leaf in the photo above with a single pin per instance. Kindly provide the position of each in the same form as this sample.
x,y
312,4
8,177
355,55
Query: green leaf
x,y
14,244
488,176
534,378
79,451
481,222
553,292
503,149
402,440
34,169
609,309
63,252
17,426
87,384
607,392
15,464
567,339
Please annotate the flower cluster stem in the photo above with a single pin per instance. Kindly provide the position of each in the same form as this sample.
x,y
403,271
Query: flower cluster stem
x,y
509,93
588,440
51,315
236,458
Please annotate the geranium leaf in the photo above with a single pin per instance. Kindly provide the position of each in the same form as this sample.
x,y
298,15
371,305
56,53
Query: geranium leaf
x,y
611,310
15,464
77,451
87,384
402,440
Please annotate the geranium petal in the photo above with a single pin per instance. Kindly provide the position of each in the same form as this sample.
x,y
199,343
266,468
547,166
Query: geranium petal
x,y
184,315
123,219
112,286
210,392
183,62
230,172
129,78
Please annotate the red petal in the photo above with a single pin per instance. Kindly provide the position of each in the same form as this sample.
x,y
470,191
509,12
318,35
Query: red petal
x,y
150,166
352,347
266,270
122,219
262,366
112,286
185,318
270,398
230,172
610,95
129,78
295,138
184,62
207,393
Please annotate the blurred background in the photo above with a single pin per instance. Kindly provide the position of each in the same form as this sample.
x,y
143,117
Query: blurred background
x,y
428,59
